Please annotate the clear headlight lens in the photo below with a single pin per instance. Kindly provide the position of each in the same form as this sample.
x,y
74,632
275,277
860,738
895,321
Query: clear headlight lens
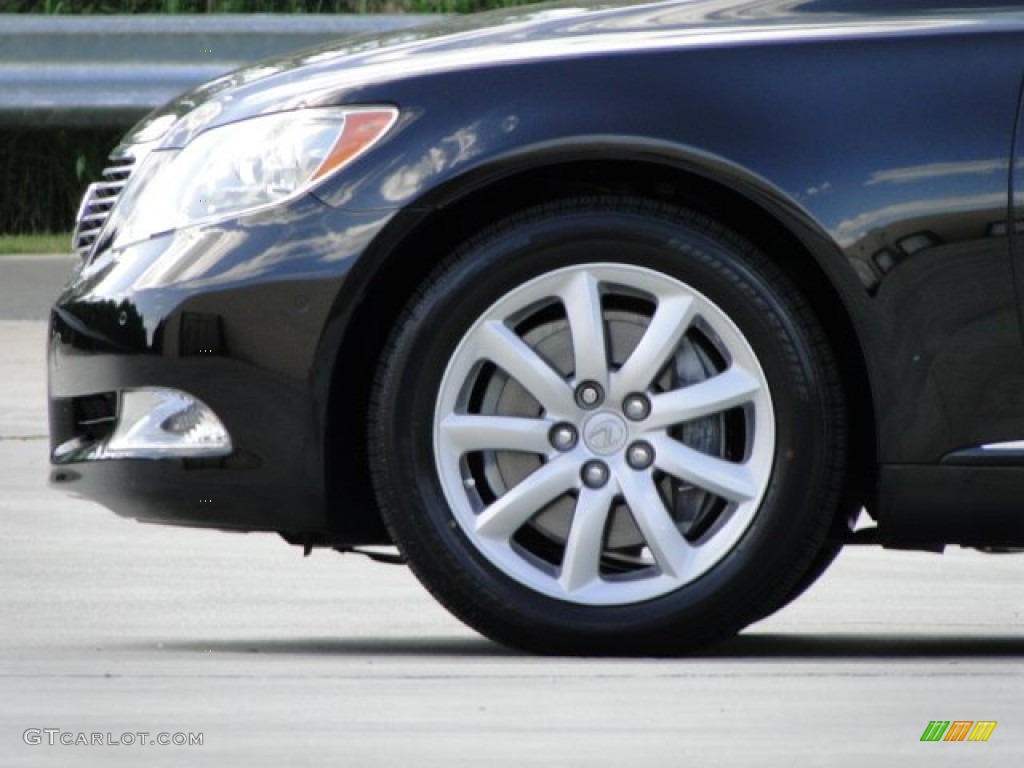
x,y
244,166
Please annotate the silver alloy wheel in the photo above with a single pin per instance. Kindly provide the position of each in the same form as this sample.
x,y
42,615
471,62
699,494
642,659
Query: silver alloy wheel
x,y
604,434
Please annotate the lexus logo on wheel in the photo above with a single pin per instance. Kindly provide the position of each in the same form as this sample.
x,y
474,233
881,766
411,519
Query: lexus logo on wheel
x,y
605,433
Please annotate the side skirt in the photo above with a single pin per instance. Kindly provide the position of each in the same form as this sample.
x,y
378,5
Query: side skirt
x,y
926,507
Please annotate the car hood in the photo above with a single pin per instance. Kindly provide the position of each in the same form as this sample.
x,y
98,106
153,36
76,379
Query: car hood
x,y
336,72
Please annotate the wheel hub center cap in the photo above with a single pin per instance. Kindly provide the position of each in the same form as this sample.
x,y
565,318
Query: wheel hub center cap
x,y
605,433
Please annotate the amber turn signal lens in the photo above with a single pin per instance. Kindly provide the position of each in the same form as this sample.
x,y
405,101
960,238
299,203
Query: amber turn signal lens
x,y
360,131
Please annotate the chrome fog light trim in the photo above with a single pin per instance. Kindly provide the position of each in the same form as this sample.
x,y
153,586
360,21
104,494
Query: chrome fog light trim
x,y
162,423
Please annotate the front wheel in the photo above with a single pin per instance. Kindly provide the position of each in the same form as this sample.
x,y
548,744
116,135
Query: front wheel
x,y
608,427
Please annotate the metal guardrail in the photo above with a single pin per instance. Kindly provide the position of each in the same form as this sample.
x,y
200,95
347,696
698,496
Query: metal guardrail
x,y
109,70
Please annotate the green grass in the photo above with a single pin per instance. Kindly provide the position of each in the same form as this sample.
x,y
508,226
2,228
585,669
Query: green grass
x,y
11,244
250,6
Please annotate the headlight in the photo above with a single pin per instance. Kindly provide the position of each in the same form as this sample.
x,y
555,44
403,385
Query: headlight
x,y
244,166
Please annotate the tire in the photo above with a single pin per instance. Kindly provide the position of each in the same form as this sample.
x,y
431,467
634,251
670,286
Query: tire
x,y
842,525
608,426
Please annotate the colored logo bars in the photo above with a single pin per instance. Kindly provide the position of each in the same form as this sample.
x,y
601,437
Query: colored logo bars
x,y
958,730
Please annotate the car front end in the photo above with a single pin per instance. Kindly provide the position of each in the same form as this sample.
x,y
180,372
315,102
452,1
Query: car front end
x,y
181,353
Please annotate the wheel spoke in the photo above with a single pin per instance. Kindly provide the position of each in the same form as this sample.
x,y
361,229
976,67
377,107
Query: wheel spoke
x,y
733,387
505,349
671,551
582,562
669,324
582,301
727,479
470,432
510,512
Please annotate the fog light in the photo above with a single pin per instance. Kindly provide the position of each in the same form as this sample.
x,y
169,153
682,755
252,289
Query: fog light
x,y
164,424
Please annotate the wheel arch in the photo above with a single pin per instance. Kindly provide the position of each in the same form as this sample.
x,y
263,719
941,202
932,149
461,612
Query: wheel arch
x,y
418,239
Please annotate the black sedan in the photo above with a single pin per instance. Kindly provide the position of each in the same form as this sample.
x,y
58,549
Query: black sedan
x,y
613,318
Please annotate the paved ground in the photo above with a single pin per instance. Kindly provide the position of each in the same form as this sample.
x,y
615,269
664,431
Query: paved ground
x,y
29,284
111,627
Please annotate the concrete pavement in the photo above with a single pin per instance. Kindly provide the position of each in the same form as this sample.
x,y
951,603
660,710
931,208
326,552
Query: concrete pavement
x,y
30,283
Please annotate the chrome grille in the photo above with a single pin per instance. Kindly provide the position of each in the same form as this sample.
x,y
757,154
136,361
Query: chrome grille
x,y
98,202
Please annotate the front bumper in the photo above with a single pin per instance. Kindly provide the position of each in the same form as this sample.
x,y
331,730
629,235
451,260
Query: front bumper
x,y
232,316
262,485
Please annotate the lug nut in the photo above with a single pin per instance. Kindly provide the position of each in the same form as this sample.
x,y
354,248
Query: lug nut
x,y
563,437
589,395
636,407
594,474
640,455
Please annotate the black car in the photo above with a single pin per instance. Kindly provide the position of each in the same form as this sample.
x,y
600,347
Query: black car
x,y
611,317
